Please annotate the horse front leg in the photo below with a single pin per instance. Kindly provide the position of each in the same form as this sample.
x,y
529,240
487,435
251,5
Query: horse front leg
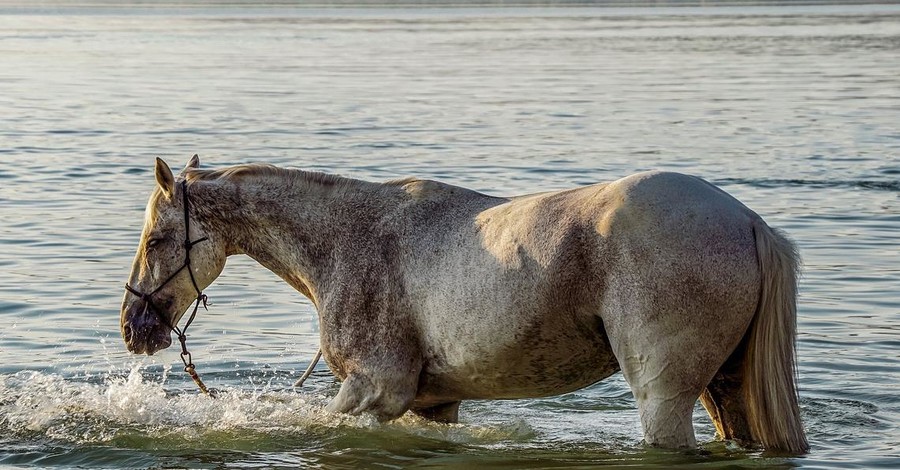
x,y
379,367
360,394
372,344
385,394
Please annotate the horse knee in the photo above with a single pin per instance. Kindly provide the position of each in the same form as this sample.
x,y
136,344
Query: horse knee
x,y
358,394
351,395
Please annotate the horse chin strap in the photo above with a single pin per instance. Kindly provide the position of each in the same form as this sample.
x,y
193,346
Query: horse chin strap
x,y
201,297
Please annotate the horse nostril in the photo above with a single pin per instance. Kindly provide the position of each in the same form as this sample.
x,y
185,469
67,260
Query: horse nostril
x,y
126,332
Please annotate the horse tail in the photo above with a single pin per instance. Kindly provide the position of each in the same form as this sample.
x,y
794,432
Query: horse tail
x,y
770,371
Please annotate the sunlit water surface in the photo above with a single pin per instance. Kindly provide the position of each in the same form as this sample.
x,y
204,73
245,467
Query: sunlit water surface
x,y
793,110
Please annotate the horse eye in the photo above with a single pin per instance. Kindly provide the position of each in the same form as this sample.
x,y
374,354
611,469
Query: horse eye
x,y
153,242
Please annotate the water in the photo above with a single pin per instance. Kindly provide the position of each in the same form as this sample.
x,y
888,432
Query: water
x,y
794,110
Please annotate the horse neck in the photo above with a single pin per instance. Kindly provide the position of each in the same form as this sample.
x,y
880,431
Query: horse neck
x,y
294,227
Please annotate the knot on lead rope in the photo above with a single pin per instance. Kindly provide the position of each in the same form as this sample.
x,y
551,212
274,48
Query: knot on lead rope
x,y
182,338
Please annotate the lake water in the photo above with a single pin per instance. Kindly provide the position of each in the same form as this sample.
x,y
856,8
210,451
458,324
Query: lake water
x,y
794,110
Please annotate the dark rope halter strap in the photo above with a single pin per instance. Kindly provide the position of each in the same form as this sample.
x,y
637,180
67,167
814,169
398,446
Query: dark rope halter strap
x,y
201,297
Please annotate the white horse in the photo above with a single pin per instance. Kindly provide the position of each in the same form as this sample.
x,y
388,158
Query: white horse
x,y
429,294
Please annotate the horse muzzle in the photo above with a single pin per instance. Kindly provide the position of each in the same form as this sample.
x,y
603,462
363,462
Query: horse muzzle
x,y
143,330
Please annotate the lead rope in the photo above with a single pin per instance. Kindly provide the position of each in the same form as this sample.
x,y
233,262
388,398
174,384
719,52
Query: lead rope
x,y
186,355
201,297
309,370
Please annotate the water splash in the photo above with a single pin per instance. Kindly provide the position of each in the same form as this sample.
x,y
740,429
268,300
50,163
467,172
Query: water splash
x,y
137,412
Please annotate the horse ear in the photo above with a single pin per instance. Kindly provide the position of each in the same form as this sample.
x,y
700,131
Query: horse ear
x,y
164,177
194,162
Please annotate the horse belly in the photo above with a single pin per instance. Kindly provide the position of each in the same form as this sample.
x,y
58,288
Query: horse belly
x,y
513,309
555,354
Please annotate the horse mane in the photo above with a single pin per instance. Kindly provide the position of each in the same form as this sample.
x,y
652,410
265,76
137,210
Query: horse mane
x,y
268,171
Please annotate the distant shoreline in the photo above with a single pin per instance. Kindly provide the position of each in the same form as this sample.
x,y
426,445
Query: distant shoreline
x,y
39,4
452,8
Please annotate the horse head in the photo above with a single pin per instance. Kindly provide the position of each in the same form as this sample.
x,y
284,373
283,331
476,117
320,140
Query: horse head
x,y
176,259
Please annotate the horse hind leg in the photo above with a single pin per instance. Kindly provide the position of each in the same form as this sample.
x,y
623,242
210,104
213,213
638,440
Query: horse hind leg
x,y
666,419
666,393
709,404
670,355
753,394
665,387
724,400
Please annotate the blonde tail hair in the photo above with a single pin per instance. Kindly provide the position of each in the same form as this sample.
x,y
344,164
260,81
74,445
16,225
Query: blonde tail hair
x,y
770,390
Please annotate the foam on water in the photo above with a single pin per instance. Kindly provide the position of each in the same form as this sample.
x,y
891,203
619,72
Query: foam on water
x,y
137,412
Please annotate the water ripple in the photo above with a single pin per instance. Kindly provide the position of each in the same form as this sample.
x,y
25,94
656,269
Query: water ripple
x,y
793,109
876,185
